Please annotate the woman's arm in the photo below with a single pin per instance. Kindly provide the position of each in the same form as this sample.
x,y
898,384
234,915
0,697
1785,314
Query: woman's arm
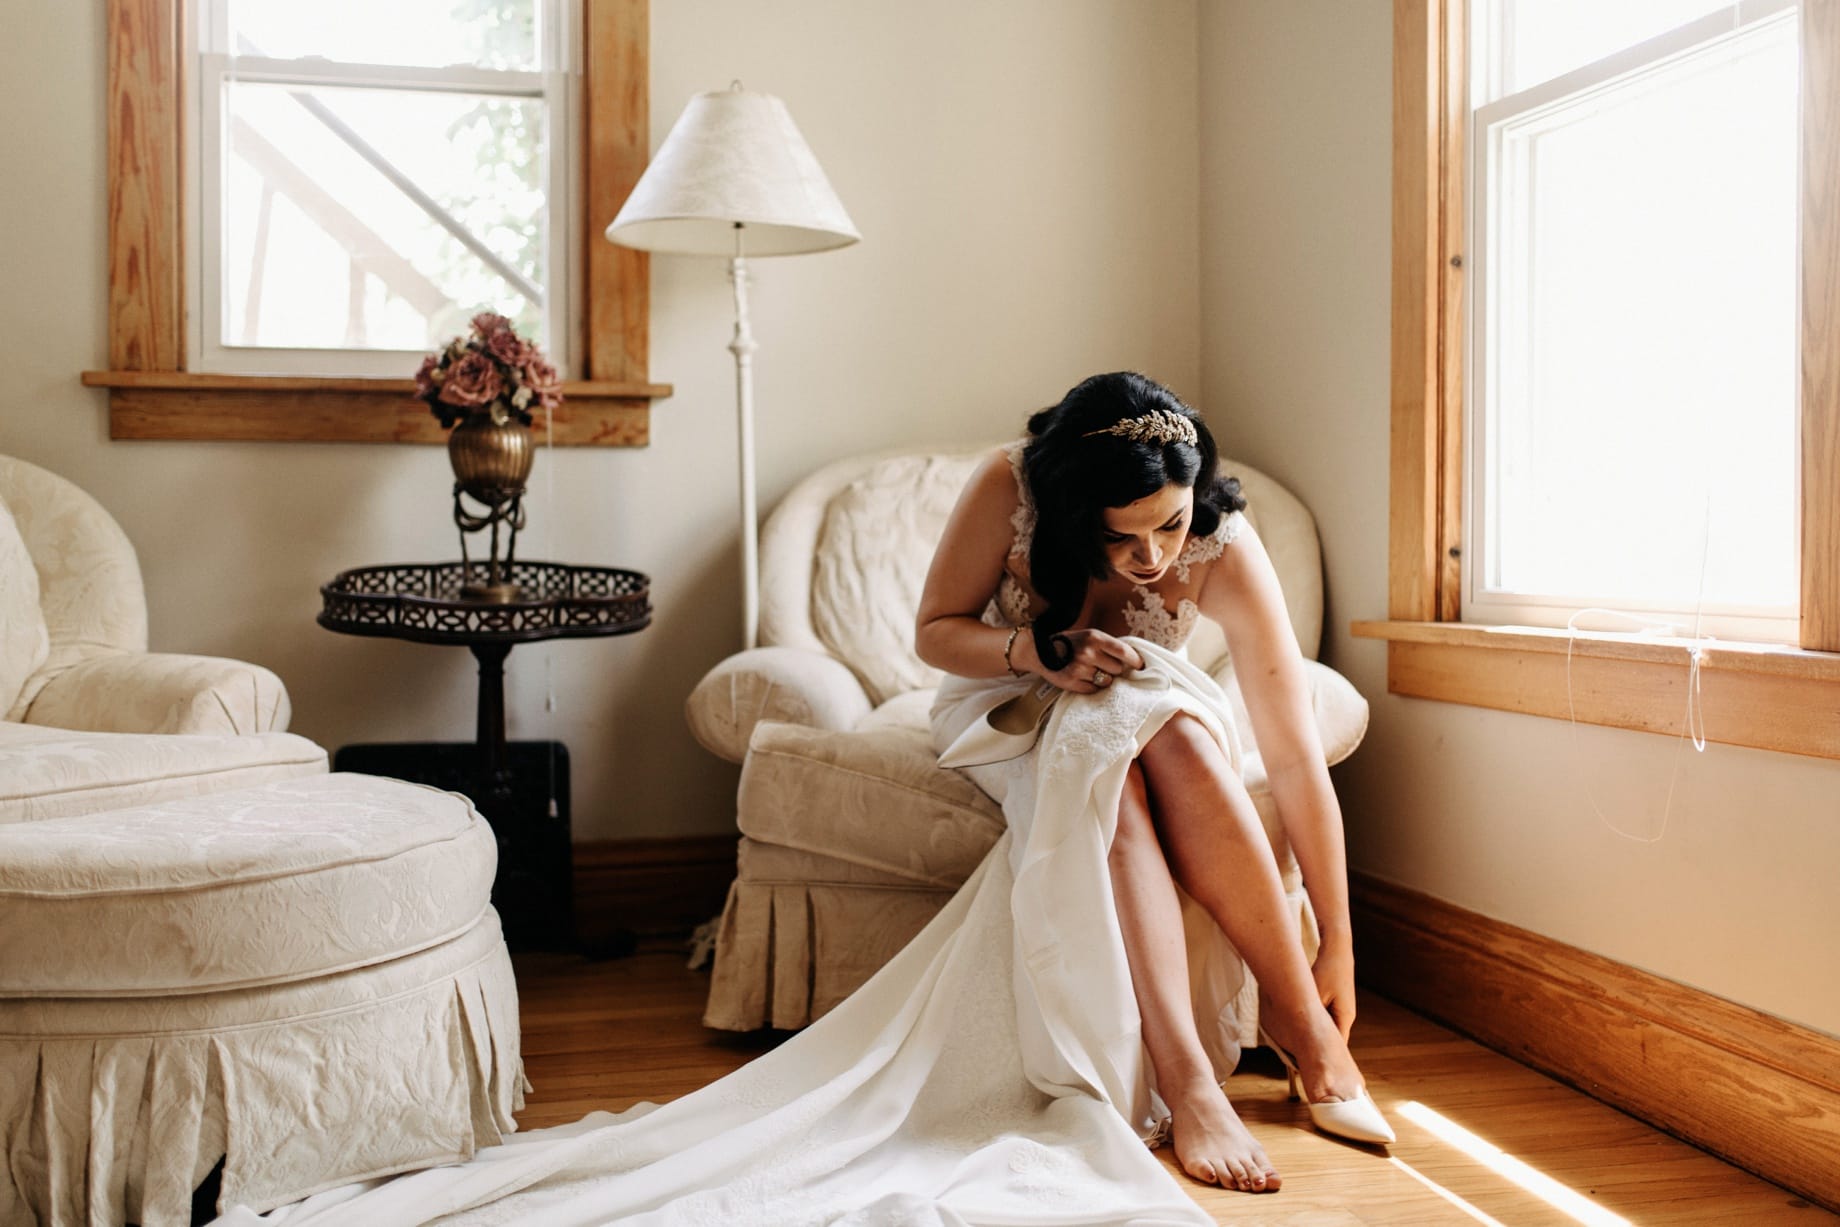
x,y
949,631
1241,593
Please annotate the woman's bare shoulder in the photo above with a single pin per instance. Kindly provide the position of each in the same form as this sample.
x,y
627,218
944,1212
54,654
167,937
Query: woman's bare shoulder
x,y
992,484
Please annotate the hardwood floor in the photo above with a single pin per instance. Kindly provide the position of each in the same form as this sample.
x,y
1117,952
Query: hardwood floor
x,y
610,1034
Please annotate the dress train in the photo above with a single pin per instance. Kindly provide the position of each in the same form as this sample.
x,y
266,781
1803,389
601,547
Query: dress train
x,y
992,1073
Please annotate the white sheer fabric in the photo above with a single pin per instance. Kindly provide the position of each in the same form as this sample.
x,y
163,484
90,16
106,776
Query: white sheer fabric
x,y
993,1072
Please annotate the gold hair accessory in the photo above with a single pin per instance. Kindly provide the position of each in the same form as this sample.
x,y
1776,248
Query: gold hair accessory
x,y
1156,426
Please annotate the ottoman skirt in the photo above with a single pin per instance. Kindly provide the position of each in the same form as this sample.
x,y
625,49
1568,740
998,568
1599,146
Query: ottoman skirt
x,y
301,1064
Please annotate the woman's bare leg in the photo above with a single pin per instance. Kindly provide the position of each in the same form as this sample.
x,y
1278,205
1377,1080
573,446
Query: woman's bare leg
x,y
1210,1142
1217,849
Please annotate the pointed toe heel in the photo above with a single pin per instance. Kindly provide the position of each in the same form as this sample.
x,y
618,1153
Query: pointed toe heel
x,y
1357,1119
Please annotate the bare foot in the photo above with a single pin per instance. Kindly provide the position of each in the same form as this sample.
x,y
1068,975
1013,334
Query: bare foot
x,y
1214,1147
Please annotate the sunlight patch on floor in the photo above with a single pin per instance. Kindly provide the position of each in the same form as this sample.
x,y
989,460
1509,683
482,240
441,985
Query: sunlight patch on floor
x,y
1565,1200
1446,1194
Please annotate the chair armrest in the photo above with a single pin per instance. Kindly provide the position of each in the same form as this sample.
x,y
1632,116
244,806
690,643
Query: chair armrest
x,y
1341,712
156,692
791,685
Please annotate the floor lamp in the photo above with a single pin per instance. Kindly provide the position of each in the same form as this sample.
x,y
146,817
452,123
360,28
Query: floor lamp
x,y
734,178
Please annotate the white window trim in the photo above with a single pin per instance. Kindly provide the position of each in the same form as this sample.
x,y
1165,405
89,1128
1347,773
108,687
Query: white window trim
x,y
1481,604
559,86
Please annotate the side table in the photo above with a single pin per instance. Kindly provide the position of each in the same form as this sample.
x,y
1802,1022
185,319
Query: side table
x,y
522,788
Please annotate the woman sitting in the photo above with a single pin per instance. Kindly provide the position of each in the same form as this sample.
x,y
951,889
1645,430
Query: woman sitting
x,y
1109,524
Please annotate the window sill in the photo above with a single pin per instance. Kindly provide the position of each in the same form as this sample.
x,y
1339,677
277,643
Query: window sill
x,y
1771,697
282,409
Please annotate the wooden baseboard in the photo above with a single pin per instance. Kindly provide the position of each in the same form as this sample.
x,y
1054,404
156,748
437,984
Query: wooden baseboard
x,y
1758,1091
650,886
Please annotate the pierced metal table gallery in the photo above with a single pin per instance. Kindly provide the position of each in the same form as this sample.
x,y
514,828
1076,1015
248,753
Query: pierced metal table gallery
x,y
522,788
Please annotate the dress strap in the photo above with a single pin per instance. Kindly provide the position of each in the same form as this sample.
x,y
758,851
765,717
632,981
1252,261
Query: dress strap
x,y
1210,547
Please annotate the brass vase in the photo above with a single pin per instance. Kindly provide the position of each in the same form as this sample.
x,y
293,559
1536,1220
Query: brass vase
x,y
491,462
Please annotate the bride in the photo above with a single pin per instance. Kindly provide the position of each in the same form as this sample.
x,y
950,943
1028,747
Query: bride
x,y
1064,545
1085,991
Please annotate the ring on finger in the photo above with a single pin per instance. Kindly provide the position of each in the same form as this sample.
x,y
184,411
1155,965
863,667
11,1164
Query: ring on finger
x,y
1101,678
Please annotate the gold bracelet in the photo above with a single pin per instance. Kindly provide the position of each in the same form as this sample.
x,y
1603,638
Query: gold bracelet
x,y
1009,644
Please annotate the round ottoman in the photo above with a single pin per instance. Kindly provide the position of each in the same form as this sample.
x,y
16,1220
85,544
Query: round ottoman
x,y
304,979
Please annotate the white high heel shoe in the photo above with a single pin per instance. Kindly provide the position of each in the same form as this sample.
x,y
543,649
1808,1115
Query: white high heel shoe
x,y
1356,1119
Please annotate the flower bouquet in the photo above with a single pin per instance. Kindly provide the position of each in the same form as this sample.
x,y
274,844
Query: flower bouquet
x,y
483,388
492,371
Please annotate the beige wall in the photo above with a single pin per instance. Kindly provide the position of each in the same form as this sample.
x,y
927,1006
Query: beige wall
x,y
1495,812
1024,177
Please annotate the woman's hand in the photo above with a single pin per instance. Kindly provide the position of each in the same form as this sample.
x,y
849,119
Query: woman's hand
x,y
1334,974
1095,659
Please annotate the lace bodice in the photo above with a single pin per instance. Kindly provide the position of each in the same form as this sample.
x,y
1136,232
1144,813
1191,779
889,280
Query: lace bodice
x,y
1146,612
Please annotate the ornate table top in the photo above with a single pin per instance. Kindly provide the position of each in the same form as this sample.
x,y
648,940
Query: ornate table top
x,y
422,602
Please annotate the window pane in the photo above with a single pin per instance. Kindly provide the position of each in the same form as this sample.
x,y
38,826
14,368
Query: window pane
x,y
1642,348
420,33
1537,40
323,250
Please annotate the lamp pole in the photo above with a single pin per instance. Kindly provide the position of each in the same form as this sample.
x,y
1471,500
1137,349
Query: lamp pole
x,y
742,346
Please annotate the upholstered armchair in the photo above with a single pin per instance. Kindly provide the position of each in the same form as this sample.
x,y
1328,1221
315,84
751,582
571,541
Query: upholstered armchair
x,y
853,836
89,718
93,670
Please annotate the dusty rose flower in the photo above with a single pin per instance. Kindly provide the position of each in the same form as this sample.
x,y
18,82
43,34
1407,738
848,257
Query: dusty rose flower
x,y
507,347
472,381
427,379
492,368
540,377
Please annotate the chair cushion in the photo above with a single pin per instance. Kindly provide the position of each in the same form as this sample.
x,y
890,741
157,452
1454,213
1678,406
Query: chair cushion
x,y
873,552
913,710
253,886
873,797
55,773
24,641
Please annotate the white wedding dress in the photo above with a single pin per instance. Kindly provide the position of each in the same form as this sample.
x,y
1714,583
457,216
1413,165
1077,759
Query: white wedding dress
x,y
992,1073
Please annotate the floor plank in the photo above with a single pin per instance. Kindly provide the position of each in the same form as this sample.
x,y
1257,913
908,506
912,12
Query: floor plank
x,y
610,1034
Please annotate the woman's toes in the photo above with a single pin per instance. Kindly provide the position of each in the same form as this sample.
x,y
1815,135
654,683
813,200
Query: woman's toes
x,y
1204,1172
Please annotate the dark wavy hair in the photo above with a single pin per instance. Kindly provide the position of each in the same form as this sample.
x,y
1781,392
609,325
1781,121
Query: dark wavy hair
x,y
1074,475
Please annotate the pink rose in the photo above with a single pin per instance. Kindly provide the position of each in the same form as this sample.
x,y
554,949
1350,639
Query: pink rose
x,y
507,348
489,323
472,381
540,377
426,384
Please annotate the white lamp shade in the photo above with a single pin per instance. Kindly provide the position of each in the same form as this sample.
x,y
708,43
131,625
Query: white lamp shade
x,y
734,156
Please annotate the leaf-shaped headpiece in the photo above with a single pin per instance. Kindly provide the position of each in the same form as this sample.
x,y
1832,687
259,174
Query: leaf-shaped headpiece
x,y
1157,426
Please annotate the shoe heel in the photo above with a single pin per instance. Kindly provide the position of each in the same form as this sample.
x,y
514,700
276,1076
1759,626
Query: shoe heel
x,y
1294,1078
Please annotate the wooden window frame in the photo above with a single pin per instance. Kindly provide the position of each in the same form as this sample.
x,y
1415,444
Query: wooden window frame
x,y
153,396
1776,698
